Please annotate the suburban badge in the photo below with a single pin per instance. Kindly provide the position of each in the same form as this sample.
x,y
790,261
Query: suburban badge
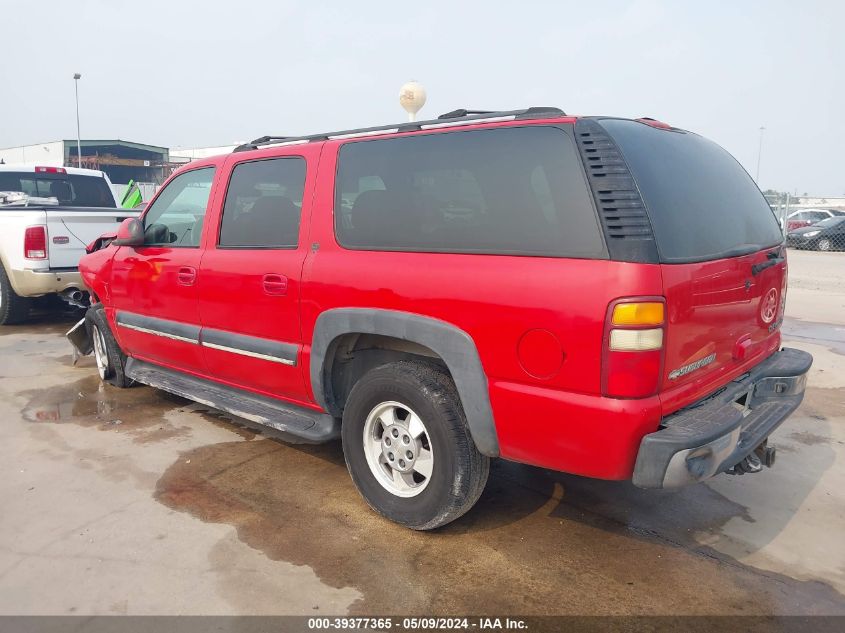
x,y
683,371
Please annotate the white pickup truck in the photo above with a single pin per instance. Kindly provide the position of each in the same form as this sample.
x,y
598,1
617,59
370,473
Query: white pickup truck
x,y
44,232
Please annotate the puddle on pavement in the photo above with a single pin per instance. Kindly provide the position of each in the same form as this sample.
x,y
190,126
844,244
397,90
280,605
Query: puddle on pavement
x,y
827,334
139,410
809,439
824,403
534,543
88,402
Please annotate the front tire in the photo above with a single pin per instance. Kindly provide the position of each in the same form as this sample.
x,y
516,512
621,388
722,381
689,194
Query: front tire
x,y
823,244
110,359
14,309
408,448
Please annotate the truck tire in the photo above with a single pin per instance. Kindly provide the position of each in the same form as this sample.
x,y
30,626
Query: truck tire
x,y
109,357
13,308
408,447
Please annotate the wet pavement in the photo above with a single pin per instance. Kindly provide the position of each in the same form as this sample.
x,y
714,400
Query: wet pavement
x,y
135,501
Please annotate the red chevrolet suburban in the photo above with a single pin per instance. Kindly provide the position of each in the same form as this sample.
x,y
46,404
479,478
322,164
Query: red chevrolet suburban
x,y
594,295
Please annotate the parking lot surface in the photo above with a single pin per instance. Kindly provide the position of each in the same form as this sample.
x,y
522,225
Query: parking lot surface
x,y
138,502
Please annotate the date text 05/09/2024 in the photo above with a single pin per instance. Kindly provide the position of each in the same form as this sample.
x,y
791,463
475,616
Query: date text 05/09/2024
x,y
416,623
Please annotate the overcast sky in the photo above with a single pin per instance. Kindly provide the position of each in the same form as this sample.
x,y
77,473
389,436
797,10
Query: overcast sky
x,y
186,73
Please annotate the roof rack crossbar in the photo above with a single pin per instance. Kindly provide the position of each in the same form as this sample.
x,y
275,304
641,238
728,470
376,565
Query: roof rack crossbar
x,y
466,115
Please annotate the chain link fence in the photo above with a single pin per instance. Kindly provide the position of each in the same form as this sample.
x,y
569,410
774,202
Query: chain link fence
x,y
816,229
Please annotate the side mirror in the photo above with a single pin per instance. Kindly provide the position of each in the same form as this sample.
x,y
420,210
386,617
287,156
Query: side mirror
x,y
130,233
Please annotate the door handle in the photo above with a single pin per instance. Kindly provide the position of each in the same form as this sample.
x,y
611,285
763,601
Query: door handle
x,y
275,284
187,276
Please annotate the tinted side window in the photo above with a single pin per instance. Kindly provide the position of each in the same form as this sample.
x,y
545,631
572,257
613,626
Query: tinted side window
x,y
176,216
515,191
263,204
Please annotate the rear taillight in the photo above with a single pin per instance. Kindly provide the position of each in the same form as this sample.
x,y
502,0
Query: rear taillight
x,y
633,347
35,242
50,170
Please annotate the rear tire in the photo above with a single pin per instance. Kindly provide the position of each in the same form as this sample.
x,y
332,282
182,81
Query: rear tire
x,y
408,448
14,309
110,359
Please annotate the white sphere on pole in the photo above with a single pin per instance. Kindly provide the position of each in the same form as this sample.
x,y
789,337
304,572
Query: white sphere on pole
x,y
412,98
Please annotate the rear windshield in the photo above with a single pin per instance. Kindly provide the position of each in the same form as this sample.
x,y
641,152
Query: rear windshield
x,y
702,204
69,189
509,191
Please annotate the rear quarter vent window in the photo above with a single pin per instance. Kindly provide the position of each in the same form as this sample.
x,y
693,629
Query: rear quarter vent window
x,y
702,204
510,191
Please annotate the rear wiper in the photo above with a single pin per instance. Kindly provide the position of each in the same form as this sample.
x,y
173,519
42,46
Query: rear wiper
x,y
742,249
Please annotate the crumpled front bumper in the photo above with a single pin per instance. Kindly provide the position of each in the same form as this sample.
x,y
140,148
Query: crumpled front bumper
x,y
718,432
80,339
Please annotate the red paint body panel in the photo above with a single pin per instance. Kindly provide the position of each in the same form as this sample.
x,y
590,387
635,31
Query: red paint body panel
x,y
711,308
146,281
233,295
160,282
577,433
547,404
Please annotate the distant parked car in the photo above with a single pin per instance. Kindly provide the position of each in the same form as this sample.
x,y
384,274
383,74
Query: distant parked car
x,y
827,235
808,217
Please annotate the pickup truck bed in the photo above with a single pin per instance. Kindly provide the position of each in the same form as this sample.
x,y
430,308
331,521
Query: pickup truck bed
x,y
40,248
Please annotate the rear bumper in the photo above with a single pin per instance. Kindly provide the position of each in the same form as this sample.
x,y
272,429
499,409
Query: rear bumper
x,y
716,433
34,283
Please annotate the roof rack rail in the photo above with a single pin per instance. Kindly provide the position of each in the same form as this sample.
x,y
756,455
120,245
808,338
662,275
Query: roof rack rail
x,y
269,139
262,140
456,117
461,112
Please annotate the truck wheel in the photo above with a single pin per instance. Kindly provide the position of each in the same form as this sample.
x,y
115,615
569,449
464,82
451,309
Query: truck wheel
x,y
13,308
108,355
408,447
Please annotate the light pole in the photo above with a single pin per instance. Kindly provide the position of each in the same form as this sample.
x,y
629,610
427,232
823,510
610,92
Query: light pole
x,y
759,154
76,78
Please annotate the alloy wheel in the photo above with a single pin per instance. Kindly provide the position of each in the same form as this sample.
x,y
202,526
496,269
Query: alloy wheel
x,y
398,449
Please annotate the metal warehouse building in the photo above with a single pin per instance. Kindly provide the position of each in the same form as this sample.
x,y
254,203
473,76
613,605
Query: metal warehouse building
x,y
121,160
